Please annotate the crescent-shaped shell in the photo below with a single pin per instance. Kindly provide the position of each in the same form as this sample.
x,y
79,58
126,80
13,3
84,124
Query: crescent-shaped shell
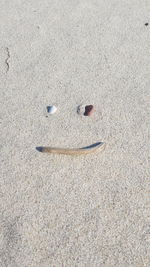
x,y
73,151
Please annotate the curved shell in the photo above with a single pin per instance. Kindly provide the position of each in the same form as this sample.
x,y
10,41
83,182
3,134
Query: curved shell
x,y
99,146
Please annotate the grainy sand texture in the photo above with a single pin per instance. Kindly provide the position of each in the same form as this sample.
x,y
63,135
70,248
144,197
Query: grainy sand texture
x,y
64,211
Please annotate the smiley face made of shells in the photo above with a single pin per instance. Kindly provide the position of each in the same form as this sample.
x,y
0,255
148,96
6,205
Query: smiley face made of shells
x,y
86,110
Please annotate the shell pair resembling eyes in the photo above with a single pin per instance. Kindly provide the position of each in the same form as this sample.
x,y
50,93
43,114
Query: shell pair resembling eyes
x,y
86,110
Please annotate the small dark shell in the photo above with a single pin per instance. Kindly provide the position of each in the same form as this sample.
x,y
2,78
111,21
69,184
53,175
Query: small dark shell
x,y
88,110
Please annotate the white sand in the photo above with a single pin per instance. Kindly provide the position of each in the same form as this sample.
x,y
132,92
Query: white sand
x,y
88,211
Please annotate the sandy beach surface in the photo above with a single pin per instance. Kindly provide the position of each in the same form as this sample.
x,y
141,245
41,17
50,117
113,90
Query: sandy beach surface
x,y
64,211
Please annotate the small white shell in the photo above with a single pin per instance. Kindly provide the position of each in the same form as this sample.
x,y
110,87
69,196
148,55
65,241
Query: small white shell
x,y
51,109
81,109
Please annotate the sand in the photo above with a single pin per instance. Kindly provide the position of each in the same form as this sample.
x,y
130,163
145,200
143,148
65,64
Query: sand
x,y
58,210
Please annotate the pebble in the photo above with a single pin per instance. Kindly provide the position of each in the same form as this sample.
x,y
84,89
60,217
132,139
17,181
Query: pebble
x,y
51,109
85,110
